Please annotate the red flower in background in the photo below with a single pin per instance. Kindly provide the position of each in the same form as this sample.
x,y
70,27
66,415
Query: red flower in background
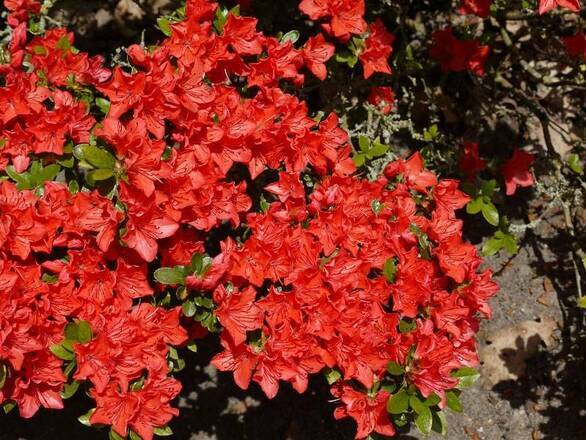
x,y
516,171
456,55
383,98
480,8
470,162
547,5
377,50
576,45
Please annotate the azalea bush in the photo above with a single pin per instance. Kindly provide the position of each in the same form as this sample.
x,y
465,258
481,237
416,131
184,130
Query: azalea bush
x,y
265,182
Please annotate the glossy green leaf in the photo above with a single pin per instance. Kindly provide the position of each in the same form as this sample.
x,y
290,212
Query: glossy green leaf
x,y
467,377
332,375
398,403
62,353
439,422
453,401
474,206
490,213
292,36
95,156
84,331
85,419
163,431
424,420
170,275
69,389
189,309
164,25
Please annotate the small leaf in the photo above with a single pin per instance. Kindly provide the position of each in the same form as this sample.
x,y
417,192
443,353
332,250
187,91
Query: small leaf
x,y
114,435
377,206
398,403
432,400
99,175
164,25
424,420
490,213
84,331
359,159
510,244
364,143
332,375
69,389
292,36
103,104
582,302
62,353
390,270
406,326
395,369
192,346
474,206
170,275
467,376
574,163
8,406
189,309
85,419
492,246
71,332
163,431
3,375
95,156
453,401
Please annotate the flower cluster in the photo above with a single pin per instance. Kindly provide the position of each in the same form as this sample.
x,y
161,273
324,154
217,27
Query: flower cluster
x,y
117,179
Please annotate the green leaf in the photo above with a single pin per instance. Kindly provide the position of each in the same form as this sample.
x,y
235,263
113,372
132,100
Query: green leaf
x,y
332,375
164,25
292,36
424,420
163,431
170,275
364,143
71,332
359,159
192,346
490,213
406,326
398,403
84,331
85,419
417,405
133,435
377,206
3,375
114,435
510,244
99,175
440,423
432,400
488,188
453,401
390,270
575,164
189,309
467,376
492,246
103,104
378,149
395,369
8,406
474,206
581,303
62,353
69,389
95,156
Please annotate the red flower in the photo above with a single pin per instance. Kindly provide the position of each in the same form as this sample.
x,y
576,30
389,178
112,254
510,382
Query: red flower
x,y
458,55
548,5
383,98
480,8
470,162
369,413
377,50
576,45
316,53
516,171
346,16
